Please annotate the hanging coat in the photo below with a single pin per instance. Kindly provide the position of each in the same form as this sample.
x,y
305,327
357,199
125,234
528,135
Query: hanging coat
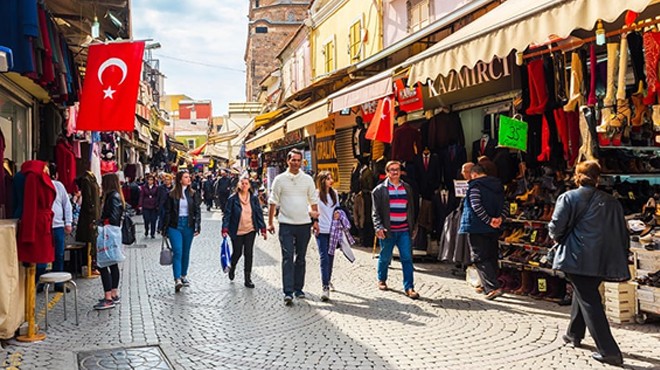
x,y
35,235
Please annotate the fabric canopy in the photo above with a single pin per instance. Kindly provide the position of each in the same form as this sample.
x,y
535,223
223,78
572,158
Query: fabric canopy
x,y
514,25
372,88
266,118
308,115
273,133
197,151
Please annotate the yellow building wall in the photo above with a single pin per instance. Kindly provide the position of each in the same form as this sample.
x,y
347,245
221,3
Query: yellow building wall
x,y
171,102
337,27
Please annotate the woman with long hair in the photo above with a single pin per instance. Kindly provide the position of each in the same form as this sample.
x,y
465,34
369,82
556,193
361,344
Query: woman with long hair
x,y
242,219
329,201
183,217
592,239
111,214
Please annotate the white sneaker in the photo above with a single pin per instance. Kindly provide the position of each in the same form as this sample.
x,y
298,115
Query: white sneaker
x,y
326,295
177,285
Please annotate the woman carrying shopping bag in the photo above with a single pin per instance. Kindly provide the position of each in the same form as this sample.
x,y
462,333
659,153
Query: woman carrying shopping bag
x,y
183,217
111,216
329,200
243,217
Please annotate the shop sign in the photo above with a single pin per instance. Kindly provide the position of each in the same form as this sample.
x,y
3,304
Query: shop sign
x,y
410,98
368,110
512,133
326,149
467,84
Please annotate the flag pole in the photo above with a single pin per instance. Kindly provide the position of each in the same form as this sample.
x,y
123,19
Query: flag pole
x,y
118,41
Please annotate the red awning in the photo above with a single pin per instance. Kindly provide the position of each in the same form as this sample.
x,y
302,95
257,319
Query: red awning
x,y
197,151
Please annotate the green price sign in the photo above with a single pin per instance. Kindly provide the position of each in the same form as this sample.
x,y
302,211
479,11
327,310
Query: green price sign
x,y
513,133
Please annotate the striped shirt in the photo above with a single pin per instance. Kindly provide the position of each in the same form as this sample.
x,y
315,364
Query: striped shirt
x,y
398,207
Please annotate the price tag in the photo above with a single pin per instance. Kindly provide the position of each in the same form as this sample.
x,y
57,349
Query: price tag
x,y
543,285
631,195
513,208
533,237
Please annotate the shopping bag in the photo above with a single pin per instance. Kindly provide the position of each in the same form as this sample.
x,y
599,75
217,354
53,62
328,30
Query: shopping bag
x,y
165,252
109,249
225,254
127,231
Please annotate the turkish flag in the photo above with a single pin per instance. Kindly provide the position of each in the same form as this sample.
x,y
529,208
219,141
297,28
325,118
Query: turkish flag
x,y
110,90
382,125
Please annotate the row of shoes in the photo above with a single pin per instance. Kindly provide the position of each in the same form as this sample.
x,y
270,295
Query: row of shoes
x,y
535,212
526,235
626,162
537,285
522,256
652,279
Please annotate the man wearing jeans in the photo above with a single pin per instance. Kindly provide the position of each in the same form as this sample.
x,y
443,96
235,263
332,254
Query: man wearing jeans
x,y
393,214
293,192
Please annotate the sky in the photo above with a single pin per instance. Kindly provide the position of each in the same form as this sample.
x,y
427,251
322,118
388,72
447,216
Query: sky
x,y
202,46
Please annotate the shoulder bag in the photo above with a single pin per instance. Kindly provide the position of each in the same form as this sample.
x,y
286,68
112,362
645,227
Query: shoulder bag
x,y
550,257
165,252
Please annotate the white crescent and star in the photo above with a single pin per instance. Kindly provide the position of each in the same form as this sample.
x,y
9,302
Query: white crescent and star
x,y
384,114
107,93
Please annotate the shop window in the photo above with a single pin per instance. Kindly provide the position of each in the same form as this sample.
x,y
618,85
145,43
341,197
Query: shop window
x,y
15,129
261,30
191,143
418,14
355,41
329,54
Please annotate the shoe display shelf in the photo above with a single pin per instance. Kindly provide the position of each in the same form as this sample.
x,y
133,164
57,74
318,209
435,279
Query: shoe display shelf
x,y
647,292
526,267
631,162
620,302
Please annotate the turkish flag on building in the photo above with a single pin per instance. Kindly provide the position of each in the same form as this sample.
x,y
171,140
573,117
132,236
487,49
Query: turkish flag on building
x,y
110,90
382,125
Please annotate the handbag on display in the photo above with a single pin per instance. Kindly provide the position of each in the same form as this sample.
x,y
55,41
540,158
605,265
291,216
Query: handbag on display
x,y
128,231
165,252
109,249
225,254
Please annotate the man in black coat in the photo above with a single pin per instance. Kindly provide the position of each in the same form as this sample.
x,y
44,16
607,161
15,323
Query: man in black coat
x,y
223,189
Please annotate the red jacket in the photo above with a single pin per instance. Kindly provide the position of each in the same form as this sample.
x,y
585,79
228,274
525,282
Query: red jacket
x,y
35,233
66,166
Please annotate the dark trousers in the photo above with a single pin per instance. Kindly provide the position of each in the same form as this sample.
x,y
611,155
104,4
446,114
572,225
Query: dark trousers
x,y
209,203
243,244
587,311
222,200
293,241
150,217
484,250
110,277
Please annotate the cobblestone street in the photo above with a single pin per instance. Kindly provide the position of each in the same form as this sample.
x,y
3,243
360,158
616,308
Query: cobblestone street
x,y
218,324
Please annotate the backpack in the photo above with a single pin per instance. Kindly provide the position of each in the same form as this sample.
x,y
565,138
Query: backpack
x,y
127,231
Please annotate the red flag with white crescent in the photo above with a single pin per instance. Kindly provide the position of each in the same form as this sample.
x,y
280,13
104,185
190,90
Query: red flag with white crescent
x,y
382,125
110,90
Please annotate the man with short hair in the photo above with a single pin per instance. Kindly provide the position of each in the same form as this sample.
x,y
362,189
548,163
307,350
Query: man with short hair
x,y
393,214
222,189
293,191
483,212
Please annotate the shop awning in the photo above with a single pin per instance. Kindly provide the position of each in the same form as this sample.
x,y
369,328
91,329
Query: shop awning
x,y
197,151
514,25
266,118
308,115
372,88
222,137
273,133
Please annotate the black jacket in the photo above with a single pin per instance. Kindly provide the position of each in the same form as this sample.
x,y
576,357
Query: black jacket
x,y
163,194
113,210
598,244
194,211
223,185
380,211
232,214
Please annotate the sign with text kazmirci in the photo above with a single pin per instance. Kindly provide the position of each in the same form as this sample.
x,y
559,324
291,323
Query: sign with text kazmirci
x,y
498,76
326,149
512,134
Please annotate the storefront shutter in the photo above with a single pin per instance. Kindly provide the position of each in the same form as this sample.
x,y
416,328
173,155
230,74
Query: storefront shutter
x,y
345,159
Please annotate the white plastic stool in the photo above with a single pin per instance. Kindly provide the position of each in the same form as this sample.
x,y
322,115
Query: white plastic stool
x,y
55,278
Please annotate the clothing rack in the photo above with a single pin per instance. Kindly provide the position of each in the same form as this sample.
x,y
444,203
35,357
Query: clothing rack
x,y
576,44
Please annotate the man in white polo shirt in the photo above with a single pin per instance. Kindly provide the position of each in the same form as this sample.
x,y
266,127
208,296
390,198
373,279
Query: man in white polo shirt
x,y
293,192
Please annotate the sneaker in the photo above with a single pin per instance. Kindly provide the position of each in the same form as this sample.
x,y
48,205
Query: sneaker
x,y
185,281
412,294
332,287
299,294
288,300
325,296
104,305
116,300
494,294
177,285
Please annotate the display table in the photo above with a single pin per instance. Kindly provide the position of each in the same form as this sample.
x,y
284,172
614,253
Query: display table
x,y
12,282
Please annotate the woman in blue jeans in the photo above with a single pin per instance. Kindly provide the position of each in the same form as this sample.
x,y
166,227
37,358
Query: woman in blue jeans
x,y
182,223
329,201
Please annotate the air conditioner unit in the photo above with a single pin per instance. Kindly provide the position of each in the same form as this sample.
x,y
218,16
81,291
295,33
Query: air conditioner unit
x,y
6,59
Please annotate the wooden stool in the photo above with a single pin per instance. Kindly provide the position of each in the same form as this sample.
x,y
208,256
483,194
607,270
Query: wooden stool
x,y
55,278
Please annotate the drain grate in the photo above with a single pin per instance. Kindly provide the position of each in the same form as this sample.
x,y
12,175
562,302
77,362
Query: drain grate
x,y
151,357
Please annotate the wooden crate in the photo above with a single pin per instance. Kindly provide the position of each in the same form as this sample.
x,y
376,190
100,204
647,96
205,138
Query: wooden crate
x,y
618,288
647,260
627,304
653,308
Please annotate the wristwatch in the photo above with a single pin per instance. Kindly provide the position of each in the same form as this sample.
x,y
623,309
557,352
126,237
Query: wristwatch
x,y
315,220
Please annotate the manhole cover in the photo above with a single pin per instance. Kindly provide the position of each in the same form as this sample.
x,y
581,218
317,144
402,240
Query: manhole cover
x,y
124,358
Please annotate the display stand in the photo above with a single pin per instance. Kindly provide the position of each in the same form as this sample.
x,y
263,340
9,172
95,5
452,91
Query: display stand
x,y
30,302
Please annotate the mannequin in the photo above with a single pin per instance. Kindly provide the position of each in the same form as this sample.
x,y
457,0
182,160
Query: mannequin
x,y
108,164
427,173
484,146
407,140
361,146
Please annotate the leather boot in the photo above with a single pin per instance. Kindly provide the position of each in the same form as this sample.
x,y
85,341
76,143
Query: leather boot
x,y
585,153
575,98
623,112
608,102
641,110
656,118
525,277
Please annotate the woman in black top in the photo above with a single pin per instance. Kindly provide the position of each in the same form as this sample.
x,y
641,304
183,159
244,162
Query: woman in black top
x,y
111,214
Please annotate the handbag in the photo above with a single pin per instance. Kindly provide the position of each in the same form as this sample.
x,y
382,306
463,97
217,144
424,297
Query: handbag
x,y
550,256
225,254
165,252
108,246
127,231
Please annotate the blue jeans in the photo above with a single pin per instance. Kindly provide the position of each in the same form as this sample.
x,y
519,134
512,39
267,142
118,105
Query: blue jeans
x,y
58,264
181,239
323,242
293,241
404,244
